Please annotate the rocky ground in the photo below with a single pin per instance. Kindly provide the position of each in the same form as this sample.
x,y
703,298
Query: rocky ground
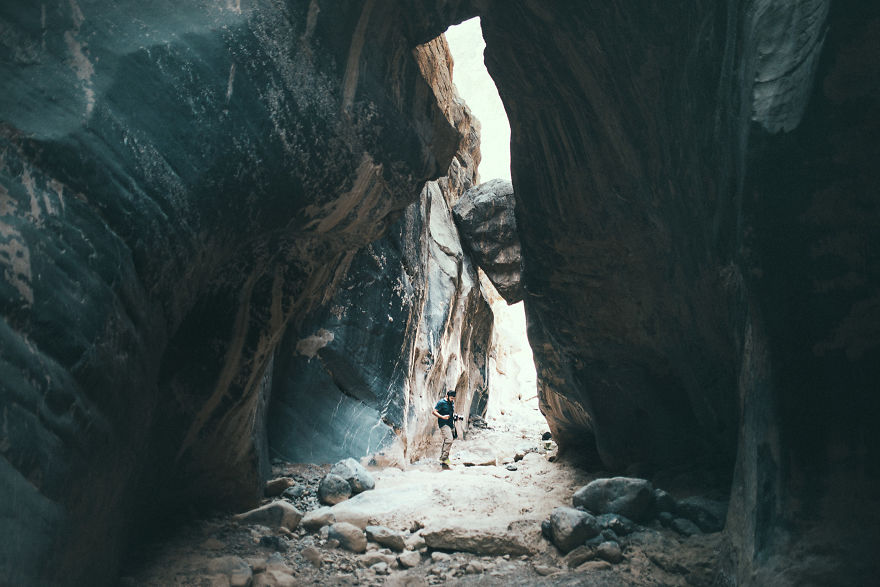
x,y
479,522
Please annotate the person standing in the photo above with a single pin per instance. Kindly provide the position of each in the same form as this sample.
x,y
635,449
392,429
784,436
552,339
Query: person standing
x,y
444,411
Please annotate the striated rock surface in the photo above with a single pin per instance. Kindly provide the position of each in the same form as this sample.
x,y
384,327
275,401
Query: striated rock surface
x,y
407,322
485,217
179,182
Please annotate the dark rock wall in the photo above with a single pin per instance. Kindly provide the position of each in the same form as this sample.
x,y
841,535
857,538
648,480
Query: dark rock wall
x,y
697,210
407,322
179,181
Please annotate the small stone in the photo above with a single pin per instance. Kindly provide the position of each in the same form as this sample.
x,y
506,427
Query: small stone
x,y
358,478
415,526
591,566
274,542
274,579
276,514
380,568
473,568
294,491
415,542
386,537
440,557
684,526
665,518
257,565
570,528
620,525
371,558
409,559
333,489
610,551
316,519
578,556
663,502
544,570
546,436
511,467
235,569
350,537
313,555
276,487
332,543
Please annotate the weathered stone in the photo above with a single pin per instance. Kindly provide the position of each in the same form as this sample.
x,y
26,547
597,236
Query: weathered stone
x,y
276,487
386,537
684,526
708,514
333,489
579,555
380,568
409,559
609,551
570,528
371,558
620,525
545,570
477,541
487,223
315,519
350,537
235,569
357,476
313,555
627,496
277,514
274,579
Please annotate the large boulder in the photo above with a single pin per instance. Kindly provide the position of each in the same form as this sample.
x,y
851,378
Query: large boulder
x,y
570,527
626,496
485,217
333,489
355,474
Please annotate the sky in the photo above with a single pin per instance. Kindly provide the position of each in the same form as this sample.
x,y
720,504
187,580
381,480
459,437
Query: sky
x,y
476,87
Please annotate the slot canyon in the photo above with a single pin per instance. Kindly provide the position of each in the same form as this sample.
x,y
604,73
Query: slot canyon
x,y
244,238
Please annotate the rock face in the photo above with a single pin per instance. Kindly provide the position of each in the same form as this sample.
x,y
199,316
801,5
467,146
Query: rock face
x,y
485,217
408,321
179,183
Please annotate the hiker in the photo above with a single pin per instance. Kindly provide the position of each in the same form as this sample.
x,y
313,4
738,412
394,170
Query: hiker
x,y
444,411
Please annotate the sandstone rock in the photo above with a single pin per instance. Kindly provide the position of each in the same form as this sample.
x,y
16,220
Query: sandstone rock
x,y
371,558
386,537
350,537
579,555
276,514
315,519
473,568
707,514
477,541
415,541
592,566
610,551
276,487
274,579
570,528
409,559
440,557
235,569
355,474
380,568
485,217
627,496
333,489
544,570
313,555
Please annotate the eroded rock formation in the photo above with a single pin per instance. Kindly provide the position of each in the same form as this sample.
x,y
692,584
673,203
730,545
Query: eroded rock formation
x,y
485,217
407,322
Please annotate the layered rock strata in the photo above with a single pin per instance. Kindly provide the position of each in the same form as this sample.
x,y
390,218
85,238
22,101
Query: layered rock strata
x,y
407,323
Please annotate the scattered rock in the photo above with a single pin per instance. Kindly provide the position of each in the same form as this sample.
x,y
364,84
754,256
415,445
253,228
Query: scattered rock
x,y
316,519
349,536
234,568
473,568
416,525
591,566
371,558
546,436
579,555
620,525
274,542
380,568
663,502
544,570
313,555
706,513
477,541
511,467
274,579
440,557
294,492
610,551
628,496
333,489
684,527
386,537
355,474
547,530
570,527
415,541
276,487
274,515
409,559
665,519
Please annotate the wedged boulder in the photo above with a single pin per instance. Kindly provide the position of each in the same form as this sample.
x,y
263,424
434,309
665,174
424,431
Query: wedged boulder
x,y
627,496
277,514
476,540
570,527
333,489
487,224
355,474
350,537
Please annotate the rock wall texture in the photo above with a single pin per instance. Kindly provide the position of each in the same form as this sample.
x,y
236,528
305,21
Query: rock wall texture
x,y
408,322
698,221
179,182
